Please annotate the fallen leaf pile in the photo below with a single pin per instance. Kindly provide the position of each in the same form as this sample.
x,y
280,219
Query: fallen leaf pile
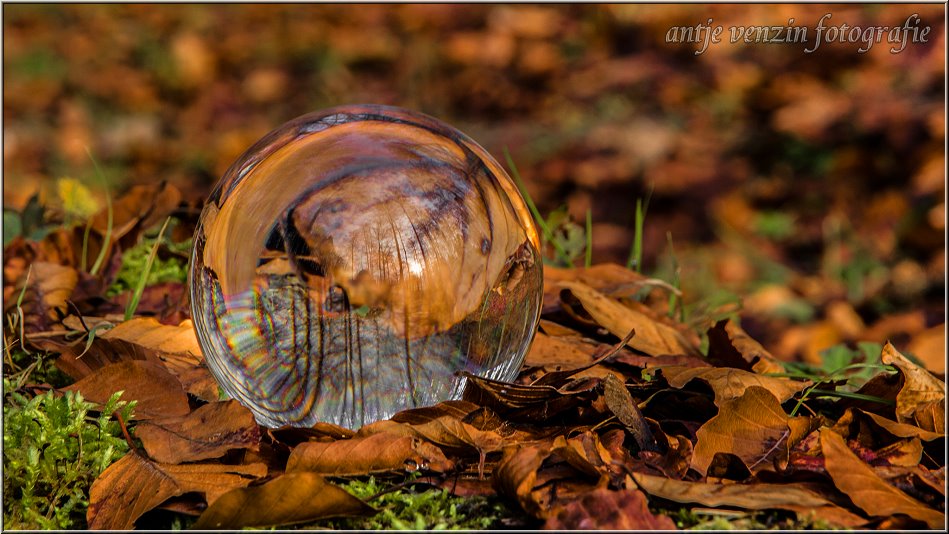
x,y
618,412
798,198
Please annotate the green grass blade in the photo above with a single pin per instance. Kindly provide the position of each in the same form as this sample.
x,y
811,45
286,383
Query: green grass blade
x,y
855,396
634,261
107,239
85,245
19,309
137,296
548,235
674,300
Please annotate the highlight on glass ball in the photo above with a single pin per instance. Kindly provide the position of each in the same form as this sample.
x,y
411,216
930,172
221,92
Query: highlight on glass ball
x,y
354,261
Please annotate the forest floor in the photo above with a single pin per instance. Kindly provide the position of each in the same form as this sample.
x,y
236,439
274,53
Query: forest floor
x,y
769,223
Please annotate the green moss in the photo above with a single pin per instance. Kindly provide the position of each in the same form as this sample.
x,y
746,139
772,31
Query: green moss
x,y
53,449
172,269
712,519
405,509
23,367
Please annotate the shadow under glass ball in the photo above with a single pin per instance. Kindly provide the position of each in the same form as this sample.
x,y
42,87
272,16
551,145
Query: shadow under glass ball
x,y
354,261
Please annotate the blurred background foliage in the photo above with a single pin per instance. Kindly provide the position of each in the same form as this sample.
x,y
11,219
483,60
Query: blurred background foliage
x,y
811,184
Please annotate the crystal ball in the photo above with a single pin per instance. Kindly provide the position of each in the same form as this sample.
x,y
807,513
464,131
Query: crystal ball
x,y
354,261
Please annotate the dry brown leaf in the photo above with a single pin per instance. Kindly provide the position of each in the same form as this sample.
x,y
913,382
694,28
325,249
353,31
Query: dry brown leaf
x,y
604,277
586,453
728,383
603,509
175,346
516,475
164,340
801,498
448,431
376,453
902,430
157,391
213,480
903,453
922,397
208,432
760,360
867,490
144,338
620,402
288,499
553,329
550,351
133,485
655,362
752,427
142,205
44,301
126,490
534,403
652,337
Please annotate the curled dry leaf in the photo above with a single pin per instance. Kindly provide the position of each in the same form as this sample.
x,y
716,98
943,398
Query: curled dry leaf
x,y
752,427
516,475
903,453
44,299
620,402
603,509
133,485
603,277
377,453
585,453
288,499
652,337
175,346
801,498
902,430
730,346
922,397
674,462
867,490
141,207
208,432
448,431
609,278
157,391
552,351
126,490
144,338
528,403
728,383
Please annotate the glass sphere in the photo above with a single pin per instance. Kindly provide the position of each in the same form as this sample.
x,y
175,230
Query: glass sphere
x,y
351,263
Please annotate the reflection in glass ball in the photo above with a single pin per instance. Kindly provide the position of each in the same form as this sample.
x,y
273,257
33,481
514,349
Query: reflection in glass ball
x,y
350,263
